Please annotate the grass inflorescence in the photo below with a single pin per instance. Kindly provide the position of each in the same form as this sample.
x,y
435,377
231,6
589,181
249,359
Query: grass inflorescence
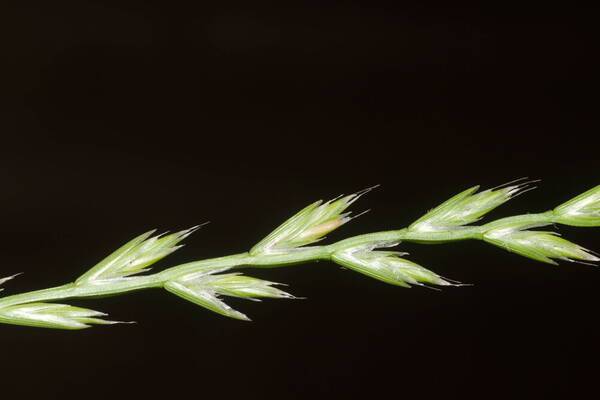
x,y
205,282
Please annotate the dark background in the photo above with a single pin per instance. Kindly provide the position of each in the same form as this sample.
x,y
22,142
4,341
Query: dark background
x,y
118,117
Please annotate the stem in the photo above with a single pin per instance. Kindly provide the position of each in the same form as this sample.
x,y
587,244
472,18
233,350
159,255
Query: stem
x,y
293,256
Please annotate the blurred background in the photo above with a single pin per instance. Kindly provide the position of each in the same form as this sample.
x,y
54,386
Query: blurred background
x,y
122,116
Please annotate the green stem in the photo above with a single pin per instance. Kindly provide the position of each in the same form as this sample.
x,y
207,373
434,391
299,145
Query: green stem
x,y
295,256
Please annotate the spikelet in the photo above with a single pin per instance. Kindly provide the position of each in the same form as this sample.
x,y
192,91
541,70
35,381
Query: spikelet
x,y
538,245
583,210
309,225
51,315
133,257
387,266
206,289
467,207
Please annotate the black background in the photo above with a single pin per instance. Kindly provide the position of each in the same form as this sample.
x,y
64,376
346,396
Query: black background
x,y
118,117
